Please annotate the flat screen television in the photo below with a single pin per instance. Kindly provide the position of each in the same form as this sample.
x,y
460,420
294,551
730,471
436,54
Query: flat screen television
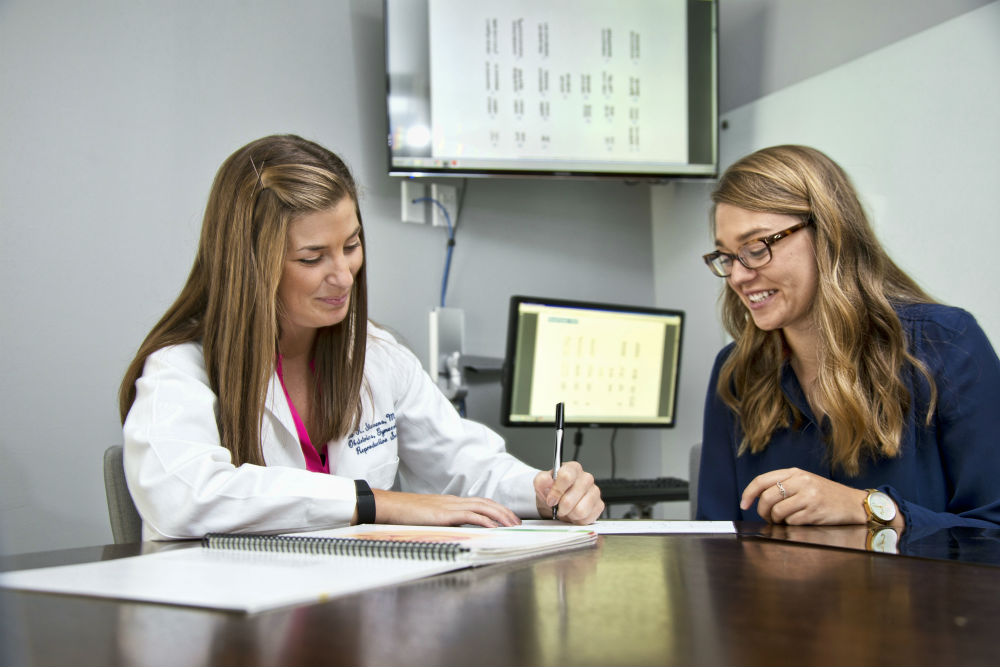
x,y
625,89
612,365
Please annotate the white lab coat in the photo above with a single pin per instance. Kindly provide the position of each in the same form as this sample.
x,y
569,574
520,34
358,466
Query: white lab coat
x,y
184,483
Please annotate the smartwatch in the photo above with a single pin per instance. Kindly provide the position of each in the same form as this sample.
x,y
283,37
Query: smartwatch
x,y
879,507
366,501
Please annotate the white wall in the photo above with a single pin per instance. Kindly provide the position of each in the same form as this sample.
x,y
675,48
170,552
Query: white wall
x,y
768,45
915,125
114,116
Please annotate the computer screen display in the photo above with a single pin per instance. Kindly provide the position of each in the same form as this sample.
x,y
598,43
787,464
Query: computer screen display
x,y
567,88
610,364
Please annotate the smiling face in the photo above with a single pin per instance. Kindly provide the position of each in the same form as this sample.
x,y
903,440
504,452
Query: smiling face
x,y
780,294
322,256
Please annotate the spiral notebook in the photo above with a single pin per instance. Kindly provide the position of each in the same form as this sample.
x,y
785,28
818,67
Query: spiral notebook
x,y
253,573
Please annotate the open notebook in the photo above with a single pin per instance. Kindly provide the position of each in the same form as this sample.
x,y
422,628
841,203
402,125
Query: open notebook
x,y
252,573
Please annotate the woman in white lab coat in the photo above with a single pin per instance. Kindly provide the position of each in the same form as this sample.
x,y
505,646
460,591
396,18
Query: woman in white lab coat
x,y
265,401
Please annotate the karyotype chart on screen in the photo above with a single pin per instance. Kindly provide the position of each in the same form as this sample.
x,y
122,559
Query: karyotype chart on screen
x,y
519,79
597,366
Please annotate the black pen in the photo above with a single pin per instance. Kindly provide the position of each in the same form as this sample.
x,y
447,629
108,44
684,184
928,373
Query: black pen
x,y
557,460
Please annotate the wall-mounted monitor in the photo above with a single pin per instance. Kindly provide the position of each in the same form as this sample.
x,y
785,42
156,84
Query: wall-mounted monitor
x,y
573,88
612,365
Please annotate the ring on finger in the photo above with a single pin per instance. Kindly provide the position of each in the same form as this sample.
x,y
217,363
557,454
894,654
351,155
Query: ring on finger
x,y
781,488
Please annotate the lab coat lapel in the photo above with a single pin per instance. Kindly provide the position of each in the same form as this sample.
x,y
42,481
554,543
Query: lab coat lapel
x,y
277,405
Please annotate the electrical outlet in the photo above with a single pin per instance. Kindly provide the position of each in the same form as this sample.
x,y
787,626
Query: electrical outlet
x,y
448,196
409,190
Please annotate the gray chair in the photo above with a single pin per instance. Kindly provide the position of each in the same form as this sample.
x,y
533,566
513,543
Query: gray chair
x,y
126,526
694,465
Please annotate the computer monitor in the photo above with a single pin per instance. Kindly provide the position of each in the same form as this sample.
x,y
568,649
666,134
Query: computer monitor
x,y
612,365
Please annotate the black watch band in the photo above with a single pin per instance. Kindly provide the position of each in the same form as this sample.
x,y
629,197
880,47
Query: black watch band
x,y
366,501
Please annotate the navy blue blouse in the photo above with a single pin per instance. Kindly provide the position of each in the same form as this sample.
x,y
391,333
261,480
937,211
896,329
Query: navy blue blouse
x,y
947,473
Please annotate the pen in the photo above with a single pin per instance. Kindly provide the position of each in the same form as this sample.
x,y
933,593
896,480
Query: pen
x,y
557,460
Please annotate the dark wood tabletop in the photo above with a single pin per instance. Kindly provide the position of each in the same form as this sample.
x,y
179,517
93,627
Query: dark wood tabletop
x,y
631,600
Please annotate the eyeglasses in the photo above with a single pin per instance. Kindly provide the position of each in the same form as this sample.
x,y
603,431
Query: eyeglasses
x,y
753,255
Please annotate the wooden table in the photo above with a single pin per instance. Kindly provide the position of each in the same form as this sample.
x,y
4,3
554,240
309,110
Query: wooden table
x,y
631,600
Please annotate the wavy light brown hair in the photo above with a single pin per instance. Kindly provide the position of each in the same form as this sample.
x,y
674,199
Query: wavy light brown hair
x,y
862,346
229,303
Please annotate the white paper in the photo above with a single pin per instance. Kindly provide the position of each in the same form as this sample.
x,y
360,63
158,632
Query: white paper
x,y
252,581
645,527
243,581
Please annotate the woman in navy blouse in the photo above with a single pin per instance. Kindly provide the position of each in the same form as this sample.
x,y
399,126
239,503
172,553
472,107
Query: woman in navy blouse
x,y
848,395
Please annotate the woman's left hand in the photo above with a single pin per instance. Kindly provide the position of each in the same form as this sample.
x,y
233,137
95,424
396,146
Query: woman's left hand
x,y
574,491
796,497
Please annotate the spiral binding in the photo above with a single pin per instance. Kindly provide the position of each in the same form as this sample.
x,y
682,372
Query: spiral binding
x,y
336,546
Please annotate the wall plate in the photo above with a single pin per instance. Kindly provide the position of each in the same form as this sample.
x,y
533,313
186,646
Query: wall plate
x,y
409,190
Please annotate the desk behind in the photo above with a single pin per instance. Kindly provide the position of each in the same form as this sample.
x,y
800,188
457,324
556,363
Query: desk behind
x,y
636,600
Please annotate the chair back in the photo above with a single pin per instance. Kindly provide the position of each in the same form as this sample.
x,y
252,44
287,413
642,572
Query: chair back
x,y
126,525
694,467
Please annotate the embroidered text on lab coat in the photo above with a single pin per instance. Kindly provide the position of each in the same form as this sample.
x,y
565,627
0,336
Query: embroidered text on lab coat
x,y
373,434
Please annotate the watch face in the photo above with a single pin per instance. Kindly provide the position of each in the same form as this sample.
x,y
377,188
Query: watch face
x,y
884,541
882,506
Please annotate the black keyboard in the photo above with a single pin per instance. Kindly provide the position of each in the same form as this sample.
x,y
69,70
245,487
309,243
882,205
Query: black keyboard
x,y
619,490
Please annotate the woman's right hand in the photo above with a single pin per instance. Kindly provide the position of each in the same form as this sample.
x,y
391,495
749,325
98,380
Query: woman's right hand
x,y
422,509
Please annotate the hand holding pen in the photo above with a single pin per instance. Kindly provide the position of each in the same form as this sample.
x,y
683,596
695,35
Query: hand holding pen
x,y
574,498
557,462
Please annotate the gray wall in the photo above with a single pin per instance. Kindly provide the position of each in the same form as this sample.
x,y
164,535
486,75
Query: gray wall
x,y
768,45
115,116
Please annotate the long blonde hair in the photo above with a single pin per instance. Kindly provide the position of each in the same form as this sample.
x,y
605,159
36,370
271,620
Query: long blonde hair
x,y
862,347
229,302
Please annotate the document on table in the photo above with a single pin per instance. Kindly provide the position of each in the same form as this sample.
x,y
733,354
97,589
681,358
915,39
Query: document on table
x,y
645,527
252,573
237,581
